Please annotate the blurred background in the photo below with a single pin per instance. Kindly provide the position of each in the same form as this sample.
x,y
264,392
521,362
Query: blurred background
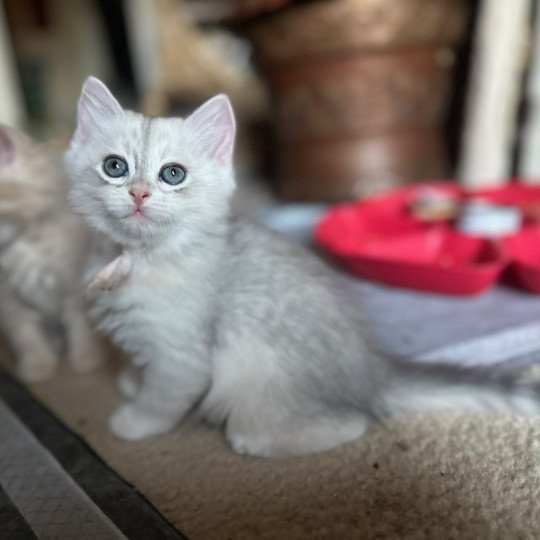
x,y
336,99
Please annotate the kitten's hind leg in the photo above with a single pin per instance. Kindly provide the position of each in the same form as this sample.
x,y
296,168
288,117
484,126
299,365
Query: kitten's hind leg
x,y
273,419
267,413
297,436
36,359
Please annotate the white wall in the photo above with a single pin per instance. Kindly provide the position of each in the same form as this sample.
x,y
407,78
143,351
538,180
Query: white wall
x,y
529,158
496,76
11,111
140,19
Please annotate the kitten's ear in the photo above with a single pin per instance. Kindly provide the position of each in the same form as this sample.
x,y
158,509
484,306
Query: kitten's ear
x,y
214,127
7,147
95,108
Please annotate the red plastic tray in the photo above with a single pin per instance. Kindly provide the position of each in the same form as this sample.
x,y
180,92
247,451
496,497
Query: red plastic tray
x,y
380,239
523,249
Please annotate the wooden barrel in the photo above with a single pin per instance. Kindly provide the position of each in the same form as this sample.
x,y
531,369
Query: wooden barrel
x,y
360,92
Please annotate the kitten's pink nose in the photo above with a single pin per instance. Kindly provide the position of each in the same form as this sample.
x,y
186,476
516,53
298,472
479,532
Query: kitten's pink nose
x,y
138,194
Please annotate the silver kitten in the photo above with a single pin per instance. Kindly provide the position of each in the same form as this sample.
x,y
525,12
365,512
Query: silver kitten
x,y
227,318
43,247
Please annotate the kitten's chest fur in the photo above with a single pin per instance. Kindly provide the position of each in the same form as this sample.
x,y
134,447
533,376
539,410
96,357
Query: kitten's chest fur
x,y
164,303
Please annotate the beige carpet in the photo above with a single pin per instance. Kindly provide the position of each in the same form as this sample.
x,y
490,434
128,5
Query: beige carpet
x,y
420,477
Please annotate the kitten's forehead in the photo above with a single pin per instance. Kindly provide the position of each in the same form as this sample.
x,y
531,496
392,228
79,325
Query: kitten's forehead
x,y
148,139
167,135
130,131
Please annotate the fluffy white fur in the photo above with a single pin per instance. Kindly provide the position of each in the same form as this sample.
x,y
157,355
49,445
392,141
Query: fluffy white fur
x,y
43,247
257,334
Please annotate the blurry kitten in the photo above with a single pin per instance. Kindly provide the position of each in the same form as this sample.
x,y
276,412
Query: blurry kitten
x,y
43,247
256,333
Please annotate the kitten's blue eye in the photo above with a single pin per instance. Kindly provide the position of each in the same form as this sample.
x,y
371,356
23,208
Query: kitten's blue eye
x,y
173,174
115,166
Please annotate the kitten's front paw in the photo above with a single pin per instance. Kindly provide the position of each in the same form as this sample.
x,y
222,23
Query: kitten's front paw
x,y
112,276
129,382
133,423
254,446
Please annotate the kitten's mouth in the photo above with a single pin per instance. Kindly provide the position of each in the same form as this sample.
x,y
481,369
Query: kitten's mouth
x,y
138,213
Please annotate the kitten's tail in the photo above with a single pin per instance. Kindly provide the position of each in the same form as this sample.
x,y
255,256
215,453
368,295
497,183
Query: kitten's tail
x,y
416,387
